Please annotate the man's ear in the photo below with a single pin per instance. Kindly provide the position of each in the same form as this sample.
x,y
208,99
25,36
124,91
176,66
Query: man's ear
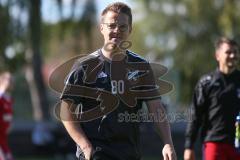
x,y
216,55
101,28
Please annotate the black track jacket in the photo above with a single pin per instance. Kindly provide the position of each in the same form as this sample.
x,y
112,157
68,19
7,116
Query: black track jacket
x,y
215,105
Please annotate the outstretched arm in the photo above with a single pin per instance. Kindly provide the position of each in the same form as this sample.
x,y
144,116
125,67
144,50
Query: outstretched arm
x,y
155,107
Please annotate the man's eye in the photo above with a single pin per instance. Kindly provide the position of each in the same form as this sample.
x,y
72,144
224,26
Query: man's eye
x,y
232,51
228,52
123,26
112,26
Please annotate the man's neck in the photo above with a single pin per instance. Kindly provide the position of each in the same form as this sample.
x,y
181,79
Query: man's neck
x,y
109,54
226,70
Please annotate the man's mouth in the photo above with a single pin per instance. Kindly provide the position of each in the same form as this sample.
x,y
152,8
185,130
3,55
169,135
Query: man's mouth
x,y
232,62
115,37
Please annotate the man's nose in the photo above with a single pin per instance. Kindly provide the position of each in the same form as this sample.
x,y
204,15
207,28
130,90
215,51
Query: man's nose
x,y
116,29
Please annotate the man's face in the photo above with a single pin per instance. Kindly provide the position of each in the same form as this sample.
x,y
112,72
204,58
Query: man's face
x,y
227,56
6,82
115,28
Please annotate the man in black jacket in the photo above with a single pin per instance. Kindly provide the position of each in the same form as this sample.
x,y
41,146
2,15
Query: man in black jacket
x,y
99,87
215,105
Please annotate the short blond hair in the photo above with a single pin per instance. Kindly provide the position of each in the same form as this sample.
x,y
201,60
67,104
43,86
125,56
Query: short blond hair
x,y
118,7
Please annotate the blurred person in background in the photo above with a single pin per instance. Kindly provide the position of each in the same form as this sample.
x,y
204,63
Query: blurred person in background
x,y
215,105
6,114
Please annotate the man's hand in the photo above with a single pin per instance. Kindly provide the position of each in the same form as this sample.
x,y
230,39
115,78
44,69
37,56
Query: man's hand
x,y
169,152
189,154
87,151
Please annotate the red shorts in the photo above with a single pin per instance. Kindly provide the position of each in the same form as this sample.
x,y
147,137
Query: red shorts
x,y
219,151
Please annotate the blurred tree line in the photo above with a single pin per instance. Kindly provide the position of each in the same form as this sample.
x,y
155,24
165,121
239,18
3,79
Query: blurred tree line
x,y
26,41
183,32
179,33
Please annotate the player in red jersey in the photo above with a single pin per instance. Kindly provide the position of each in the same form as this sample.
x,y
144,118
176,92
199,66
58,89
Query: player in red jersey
x,y
6,114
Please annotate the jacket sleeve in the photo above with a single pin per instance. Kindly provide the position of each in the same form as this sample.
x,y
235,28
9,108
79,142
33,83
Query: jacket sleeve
x,y
197,112
74,78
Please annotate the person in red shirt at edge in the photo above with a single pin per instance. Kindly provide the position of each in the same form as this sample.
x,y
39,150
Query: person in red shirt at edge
x,y
6,114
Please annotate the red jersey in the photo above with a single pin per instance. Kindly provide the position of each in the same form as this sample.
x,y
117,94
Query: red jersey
x,y
6,114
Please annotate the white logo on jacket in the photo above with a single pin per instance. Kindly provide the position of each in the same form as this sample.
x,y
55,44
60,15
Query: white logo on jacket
x,y
102,75
133,75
